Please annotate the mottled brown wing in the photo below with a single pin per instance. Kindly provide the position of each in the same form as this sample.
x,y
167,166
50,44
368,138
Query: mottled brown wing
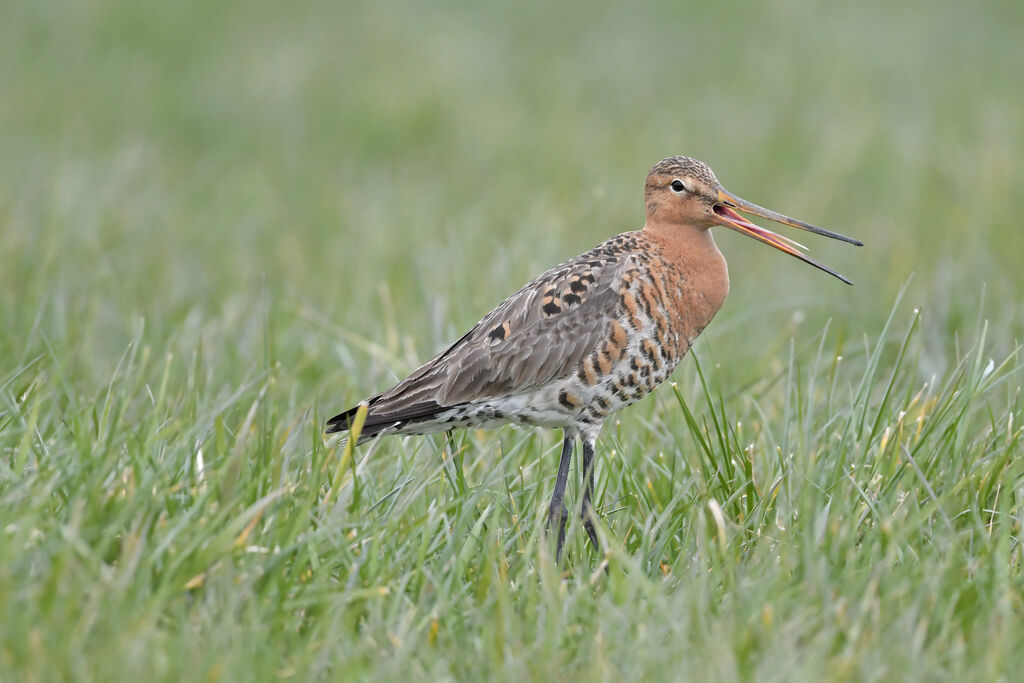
x,y
540,333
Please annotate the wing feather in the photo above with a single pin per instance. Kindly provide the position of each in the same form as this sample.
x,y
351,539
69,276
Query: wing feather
x,y
539,334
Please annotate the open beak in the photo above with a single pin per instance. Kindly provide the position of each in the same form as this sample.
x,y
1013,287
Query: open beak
x,y
724,210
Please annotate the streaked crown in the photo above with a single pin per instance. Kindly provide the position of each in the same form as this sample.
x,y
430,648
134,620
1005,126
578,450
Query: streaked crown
x,y
685,166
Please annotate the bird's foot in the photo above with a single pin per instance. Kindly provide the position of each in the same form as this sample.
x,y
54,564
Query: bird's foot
x,y
558,515
587,515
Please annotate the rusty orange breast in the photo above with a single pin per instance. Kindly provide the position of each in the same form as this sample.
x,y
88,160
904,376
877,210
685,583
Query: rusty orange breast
x,y
689,276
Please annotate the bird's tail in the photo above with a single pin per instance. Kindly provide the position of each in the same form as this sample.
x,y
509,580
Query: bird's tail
x,y
344,421
380,419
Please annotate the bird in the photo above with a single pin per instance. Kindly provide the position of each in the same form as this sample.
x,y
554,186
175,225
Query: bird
x,y
590,336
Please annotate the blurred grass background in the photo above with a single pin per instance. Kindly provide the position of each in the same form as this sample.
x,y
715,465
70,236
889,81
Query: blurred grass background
x,y
272,210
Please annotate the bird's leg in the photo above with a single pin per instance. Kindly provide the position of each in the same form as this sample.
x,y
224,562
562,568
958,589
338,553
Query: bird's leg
x,y
557,512
587,510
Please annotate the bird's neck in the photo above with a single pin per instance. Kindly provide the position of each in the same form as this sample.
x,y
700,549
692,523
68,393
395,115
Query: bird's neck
x,y
694,254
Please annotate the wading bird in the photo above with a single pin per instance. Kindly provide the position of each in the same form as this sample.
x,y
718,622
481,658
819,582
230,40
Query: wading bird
x,y
590,336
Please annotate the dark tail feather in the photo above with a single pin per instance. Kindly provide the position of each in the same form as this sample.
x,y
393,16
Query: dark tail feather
x,y
342,422
376,423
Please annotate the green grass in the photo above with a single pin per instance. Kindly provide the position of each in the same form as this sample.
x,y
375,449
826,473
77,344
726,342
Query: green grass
x,y
220,223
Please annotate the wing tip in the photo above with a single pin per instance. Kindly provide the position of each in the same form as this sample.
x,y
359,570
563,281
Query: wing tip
x,y
342,422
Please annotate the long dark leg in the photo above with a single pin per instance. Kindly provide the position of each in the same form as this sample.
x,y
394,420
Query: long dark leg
x,y
587,510
557,512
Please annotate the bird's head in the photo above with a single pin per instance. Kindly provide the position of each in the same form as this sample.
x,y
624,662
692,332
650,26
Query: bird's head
x,y
682,191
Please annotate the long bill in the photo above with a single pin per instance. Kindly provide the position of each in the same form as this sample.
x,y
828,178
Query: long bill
x,y
730,219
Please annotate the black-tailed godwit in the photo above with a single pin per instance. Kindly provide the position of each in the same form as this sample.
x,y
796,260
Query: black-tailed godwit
x,y
590,336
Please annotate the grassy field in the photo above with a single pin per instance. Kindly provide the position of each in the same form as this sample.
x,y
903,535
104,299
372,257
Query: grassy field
x,y
222,222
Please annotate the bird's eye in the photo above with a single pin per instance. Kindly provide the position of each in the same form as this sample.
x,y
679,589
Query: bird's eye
x,y
677,186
